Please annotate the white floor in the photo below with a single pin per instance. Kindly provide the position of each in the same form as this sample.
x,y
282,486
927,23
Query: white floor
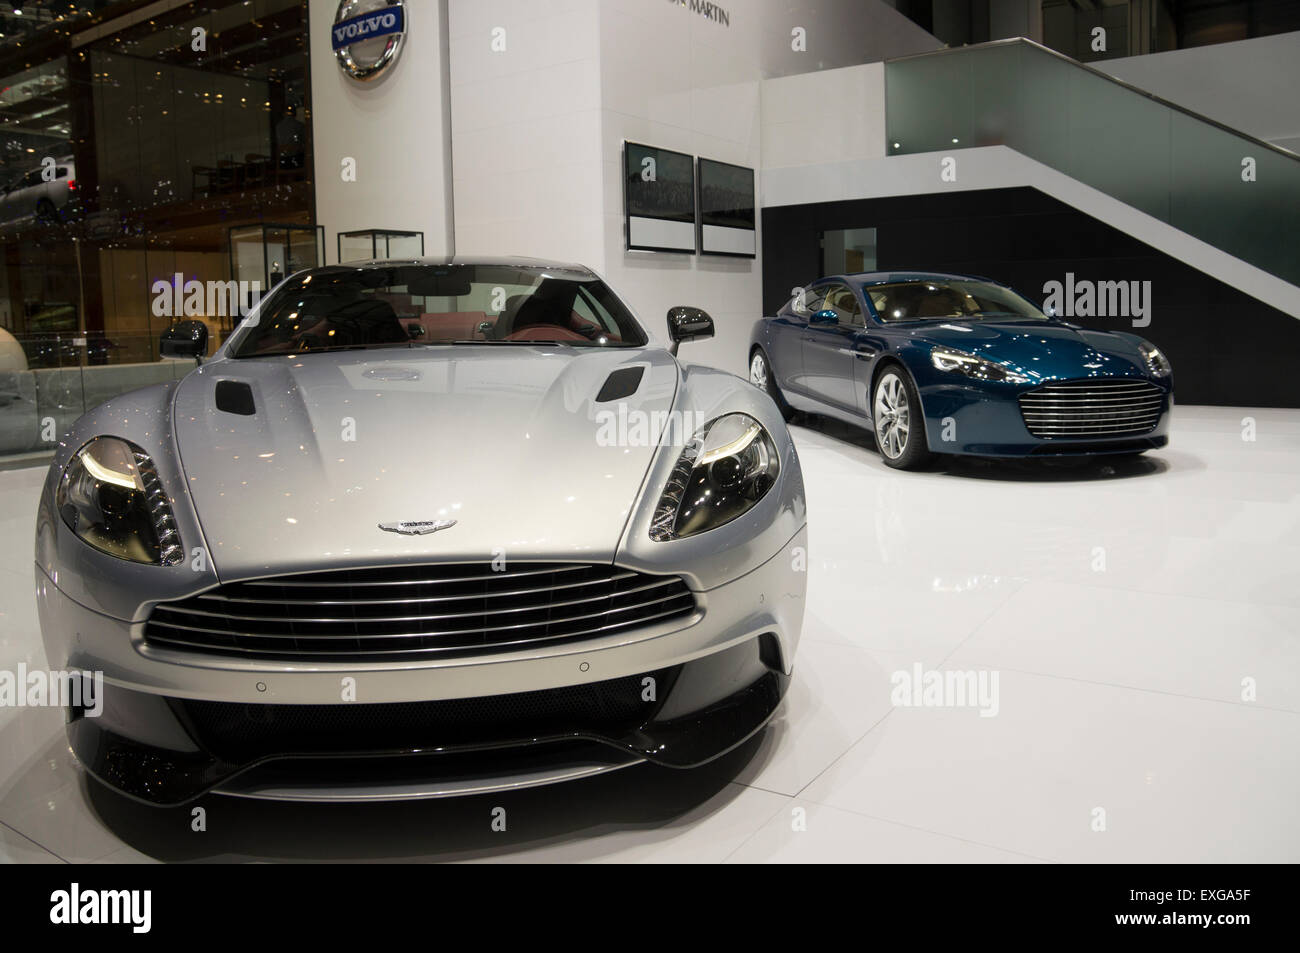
x,y
1122,607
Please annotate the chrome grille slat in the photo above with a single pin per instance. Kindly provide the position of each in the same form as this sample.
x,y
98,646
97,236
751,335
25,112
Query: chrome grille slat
x,y
309,579
1056,405
1117,391
407,635
1090,408
1054,402
1093,419
357,619
1098,419
538,603
434,650
1088,417
1094,432
1095,407
1096,424
241,599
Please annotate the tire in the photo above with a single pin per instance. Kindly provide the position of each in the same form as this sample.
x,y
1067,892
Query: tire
x,y
760,375
897,420
46,213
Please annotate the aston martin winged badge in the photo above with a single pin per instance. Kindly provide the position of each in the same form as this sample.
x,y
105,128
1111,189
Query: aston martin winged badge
x,y
417,527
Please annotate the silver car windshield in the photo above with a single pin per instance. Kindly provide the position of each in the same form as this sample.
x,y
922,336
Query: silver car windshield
x,y
949,300
349,308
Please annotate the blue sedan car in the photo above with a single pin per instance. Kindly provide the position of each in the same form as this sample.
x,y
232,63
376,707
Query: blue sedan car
x,y
938,363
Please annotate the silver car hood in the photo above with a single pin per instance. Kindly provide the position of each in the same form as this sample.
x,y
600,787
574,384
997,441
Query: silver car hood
x,y
501,439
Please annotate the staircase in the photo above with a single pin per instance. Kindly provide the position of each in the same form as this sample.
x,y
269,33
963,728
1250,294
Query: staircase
x,y
1226,202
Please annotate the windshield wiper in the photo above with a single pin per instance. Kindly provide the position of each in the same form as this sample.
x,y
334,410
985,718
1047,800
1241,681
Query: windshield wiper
x,y
299,352
503,341
1004,314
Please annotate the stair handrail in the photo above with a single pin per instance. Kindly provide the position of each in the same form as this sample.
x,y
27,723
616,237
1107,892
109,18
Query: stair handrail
x,y
1024,40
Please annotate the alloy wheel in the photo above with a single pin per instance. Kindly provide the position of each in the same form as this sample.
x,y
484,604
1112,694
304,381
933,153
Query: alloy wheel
x,y
758,372
892,416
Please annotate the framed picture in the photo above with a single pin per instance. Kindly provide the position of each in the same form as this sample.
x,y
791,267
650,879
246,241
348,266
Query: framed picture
x,y
726,202
658,199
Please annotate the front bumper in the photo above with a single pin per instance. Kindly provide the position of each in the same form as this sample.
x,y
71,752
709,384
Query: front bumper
x,y
719,675
961,419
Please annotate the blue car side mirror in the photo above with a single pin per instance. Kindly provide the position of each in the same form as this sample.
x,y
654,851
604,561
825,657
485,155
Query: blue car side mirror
x,y
825,316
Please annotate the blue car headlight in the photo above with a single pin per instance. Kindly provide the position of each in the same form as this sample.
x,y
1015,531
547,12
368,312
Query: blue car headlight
x,y
1156,362
111,497
728,466
973,366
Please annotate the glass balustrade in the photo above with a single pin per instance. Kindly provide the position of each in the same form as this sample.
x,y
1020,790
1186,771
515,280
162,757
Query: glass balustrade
x,y
1225,188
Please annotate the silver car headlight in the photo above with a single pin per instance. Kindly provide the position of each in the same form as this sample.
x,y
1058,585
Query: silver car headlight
x,y
973,366
728,466
111,497
1156,362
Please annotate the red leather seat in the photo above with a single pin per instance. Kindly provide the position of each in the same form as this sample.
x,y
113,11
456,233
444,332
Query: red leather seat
x,y
545,332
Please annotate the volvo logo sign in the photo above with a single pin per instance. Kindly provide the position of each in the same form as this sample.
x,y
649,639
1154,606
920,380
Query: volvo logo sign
x,y
367,35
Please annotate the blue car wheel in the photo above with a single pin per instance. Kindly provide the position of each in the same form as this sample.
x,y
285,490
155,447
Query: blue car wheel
x,y
898,421
761,376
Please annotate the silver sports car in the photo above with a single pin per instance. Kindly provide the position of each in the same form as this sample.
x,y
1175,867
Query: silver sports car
x,y
423,528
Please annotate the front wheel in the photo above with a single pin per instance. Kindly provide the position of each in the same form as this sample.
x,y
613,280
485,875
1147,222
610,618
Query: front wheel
x,y
46,213
898,421
760,375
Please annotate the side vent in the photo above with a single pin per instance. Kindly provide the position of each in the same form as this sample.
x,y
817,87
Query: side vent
x,y
235,397
621,383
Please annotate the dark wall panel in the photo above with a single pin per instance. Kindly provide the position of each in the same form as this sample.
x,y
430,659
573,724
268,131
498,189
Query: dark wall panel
x,y
1226,347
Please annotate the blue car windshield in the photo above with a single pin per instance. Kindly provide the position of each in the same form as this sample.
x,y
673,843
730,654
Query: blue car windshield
x,y
949,300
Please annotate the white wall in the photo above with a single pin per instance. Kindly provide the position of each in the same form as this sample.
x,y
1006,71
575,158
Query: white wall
x,y
820,118
525,126
537,128
838,33
395,127
675,79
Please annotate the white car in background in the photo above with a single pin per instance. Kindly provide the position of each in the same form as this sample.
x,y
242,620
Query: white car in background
x,y
13,362
19,429
31,196
12,357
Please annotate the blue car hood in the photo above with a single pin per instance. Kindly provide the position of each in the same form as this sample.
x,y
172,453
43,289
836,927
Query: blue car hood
x,y
1044,350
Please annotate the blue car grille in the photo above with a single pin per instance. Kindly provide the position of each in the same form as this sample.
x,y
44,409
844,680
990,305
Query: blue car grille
x,y
401,612
1093,407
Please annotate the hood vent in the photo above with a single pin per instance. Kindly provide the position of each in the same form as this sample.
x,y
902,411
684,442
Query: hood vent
x,y
235,397
621,383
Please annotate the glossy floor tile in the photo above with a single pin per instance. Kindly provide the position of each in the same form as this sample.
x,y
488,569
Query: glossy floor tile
x,y
1081,771
806,832
17,849
1134,627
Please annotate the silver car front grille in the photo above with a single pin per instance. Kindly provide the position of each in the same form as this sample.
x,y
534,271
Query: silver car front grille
x,y
1094,407
397,612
